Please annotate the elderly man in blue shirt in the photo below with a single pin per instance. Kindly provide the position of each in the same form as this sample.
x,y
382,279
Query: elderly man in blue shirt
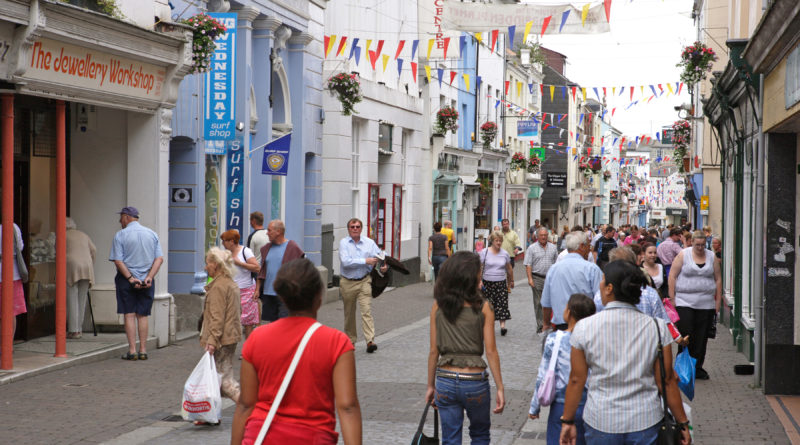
x,y
358,255
136,252
572,275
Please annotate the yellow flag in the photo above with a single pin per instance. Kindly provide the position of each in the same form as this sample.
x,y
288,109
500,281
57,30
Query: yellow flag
x,y
641,87
613,91
366,51
552,90
669,87
574,150
478,36
428,73
385,61
466,80
430,47
583,91
331,42
584,13
342,49
527,30
519,88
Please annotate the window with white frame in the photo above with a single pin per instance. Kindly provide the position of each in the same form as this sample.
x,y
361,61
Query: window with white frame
x,y
385,136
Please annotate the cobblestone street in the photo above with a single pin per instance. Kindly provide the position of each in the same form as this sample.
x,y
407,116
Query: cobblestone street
x,y
119,402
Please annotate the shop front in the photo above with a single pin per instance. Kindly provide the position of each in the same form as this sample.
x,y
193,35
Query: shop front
x,y
86,109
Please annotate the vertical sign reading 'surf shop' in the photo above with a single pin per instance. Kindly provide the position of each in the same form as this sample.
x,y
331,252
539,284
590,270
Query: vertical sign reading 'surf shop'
x,y
219,123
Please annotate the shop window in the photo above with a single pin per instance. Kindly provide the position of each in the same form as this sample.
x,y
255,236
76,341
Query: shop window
x,y
377,216
385,137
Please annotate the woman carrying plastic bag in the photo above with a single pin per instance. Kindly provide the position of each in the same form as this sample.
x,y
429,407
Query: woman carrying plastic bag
x,y
202,401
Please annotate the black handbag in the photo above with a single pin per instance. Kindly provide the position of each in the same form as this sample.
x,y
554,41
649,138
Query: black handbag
x,y
669,433
422,439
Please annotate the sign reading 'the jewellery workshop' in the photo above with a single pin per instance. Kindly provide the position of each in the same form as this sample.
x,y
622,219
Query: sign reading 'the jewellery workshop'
x,y
75,66
218,121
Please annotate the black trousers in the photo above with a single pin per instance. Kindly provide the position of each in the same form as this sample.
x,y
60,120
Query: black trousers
x,y
695,323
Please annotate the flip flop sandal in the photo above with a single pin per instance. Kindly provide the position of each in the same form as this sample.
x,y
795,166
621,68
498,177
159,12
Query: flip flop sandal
x,y
129,356
142,356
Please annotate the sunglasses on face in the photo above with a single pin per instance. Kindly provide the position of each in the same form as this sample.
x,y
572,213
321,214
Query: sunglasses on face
x,y
355,227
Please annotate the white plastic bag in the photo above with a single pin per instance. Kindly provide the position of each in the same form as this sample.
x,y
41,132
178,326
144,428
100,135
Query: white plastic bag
x,y
202,400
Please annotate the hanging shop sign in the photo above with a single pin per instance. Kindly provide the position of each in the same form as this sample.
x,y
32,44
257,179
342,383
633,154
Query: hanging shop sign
x,y
527,130
553,18
74,66
704,205
276,156
558,179
538,152
219,120
234,195
430,16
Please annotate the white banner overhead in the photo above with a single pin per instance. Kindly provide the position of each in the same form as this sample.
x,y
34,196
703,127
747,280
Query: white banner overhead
x,y
553,18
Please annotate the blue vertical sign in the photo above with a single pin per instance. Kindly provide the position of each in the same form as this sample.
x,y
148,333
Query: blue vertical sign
x,y
218,121
235,177
276,156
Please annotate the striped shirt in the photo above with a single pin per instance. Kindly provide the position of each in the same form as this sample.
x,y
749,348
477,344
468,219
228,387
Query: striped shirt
x,y
540,258
649,304
620,347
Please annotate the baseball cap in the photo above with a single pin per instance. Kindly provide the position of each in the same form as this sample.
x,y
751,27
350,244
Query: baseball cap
x,y
131,211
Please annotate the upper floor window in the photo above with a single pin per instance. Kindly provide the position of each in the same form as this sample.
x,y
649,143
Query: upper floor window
x,y
385,136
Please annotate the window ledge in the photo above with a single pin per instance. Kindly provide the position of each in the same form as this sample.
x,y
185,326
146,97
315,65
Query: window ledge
x,y
385,152
748,323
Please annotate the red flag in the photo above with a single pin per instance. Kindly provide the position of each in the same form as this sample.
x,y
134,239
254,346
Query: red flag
x,y
696,161
508,82
546,23
341,45
452,76
400,48
592,140
414,71
604,91
607,4
446,44
378,50
573,92
327,41
373,57
494,38
631,94
544,116
680,87
613,110
541,89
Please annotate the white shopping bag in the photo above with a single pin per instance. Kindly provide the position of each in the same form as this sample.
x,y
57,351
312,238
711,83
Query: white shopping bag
x,y
201,397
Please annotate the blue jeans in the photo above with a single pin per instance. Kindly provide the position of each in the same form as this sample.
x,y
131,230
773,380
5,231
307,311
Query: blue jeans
x,y
437,261
453,397
554,424
643,437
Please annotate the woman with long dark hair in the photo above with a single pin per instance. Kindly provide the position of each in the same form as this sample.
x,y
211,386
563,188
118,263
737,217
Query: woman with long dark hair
x,y
616,350
462,328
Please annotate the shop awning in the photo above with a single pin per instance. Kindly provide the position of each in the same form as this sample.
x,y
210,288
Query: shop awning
x,y
469,180
446,177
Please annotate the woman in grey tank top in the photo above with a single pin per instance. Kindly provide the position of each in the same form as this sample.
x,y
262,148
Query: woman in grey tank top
x,y
695,288
462,328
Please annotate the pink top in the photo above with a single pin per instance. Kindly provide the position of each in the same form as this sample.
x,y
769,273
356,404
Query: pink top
x,y
479,246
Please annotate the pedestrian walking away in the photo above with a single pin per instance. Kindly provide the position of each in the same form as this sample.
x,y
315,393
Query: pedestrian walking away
x,y
221,330
497,278
572,275
556,356
244,266
438,248
511,242
623,403
695,288
277,252
258,238
80,277
461,329
324,379
136,252
358,256
447,230
539,257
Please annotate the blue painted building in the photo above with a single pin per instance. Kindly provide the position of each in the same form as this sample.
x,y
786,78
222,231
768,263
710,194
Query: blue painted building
x,y
277,84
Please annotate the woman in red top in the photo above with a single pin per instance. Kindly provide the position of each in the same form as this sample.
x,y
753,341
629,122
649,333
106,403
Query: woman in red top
x,y
326,372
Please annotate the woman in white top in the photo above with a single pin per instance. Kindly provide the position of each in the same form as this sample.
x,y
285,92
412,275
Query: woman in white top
x,y
653,270
245,265
695,287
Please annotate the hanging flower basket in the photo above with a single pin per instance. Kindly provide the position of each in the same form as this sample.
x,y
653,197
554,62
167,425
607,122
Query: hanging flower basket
x,y
534,165
696,61
205,29
446,120
488,133
347,89
518,162
681,139
586,169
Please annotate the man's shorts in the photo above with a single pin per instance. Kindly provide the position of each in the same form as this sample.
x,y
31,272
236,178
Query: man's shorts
x,y
131,300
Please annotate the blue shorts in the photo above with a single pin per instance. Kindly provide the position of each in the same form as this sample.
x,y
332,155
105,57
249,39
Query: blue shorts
x,y
131,300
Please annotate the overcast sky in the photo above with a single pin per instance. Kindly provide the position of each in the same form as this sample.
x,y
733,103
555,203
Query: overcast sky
x,y
642,48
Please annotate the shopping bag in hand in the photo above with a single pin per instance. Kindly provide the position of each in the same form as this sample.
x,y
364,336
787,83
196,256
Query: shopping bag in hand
x,y
684,368
671,312
202,400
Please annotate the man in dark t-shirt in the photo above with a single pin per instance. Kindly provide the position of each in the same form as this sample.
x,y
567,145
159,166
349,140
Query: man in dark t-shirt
x,y
604,245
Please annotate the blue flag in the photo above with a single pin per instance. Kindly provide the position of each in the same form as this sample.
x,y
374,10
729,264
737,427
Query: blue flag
x,y
353,48
276,156
563,19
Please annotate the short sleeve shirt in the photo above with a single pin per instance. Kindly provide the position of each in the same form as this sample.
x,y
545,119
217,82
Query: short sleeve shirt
x,y
494,265
137,247
439,241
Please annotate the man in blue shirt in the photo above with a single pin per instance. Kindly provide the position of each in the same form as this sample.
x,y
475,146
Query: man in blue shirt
x,y
274,254
358,256
572,275
136,252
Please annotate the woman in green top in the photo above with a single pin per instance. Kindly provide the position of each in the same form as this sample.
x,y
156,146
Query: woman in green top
x,y
462,328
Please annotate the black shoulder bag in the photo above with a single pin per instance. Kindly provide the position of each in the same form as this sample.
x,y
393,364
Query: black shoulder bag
x,y
669,433
422,439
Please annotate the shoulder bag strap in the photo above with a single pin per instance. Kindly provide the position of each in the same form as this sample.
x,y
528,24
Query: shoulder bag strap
x,y
554,358
661,366
435,421
285,384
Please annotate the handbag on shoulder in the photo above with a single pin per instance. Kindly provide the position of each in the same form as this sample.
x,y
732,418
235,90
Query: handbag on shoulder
x,y
422,439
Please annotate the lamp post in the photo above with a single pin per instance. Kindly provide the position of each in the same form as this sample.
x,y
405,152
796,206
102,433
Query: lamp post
x,y
564,206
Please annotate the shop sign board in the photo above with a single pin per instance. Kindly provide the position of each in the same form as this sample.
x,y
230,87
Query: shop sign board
x,y
556,179
75,66
220,103
704,205
234,195
527,130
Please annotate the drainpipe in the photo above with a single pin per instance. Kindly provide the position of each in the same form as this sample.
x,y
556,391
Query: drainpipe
x,y
758,249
